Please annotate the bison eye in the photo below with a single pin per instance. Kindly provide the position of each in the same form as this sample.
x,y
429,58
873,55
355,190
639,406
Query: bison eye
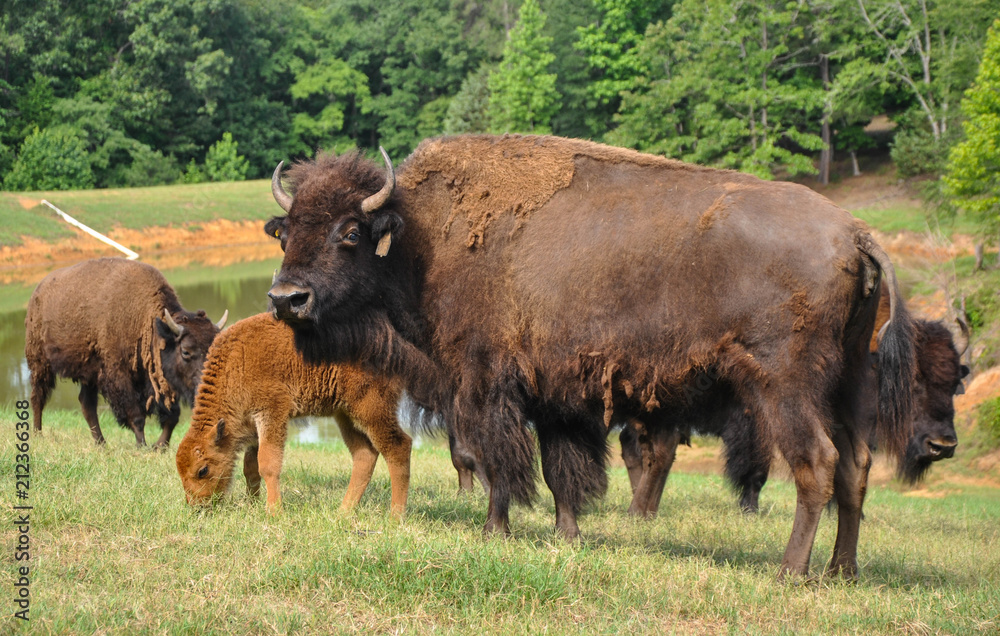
x,y
186,355
352,237
203,472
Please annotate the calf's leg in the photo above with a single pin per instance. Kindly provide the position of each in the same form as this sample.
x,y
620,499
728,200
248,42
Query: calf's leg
x,y
251,471
363,457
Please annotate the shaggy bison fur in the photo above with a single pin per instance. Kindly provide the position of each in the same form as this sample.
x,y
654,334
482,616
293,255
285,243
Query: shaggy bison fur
x,y
530,279
116,327
253,382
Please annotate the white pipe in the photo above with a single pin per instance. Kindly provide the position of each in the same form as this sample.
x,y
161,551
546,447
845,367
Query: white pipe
x,y
100,237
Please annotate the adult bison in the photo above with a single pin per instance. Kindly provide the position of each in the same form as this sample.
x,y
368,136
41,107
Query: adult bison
x,y
116,327
521,278
747,461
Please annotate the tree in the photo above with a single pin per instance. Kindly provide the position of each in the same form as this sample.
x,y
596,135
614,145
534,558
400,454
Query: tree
x,y
51,159
468,111
223,163
611,48
972,176
523,96
722,89
931,48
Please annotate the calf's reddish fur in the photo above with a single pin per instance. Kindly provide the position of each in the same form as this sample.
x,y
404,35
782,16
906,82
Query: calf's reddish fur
x,y
253,382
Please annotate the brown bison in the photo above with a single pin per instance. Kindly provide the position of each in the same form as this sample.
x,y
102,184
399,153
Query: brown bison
x,y
938,380
521,279
116,327
253,381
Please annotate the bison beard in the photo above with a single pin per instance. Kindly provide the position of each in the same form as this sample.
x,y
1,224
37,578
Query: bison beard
x,y
573,285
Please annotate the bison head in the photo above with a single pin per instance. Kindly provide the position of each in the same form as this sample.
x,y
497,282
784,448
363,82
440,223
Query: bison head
x,y
186,337
939,379
338,238
205,464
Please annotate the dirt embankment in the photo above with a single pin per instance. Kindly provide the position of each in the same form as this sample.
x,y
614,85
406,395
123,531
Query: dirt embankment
x,y
215,243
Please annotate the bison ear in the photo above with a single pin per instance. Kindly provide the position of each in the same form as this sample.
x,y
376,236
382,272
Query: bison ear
x,y
164,331
963,371
275,227
384,228
220,432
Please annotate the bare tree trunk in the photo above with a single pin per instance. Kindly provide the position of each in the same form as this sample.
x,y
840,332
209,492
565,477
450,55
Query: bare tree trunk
x,y
979,257
854,164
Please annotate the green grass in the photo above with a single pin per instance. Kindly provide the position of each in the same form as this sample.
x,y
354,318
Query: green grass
x,y
134,208
115,550
893,219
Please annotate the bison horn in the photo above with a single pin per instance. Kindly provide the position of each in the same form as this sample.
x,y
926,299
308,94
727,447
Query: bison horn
x,y
282,197
222,321
377,200
169,320
962,344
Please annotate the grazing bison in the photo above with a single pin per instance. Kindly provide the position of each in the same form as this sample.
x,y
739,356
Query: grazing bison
x,y
253,381
116,327
574,285
939,379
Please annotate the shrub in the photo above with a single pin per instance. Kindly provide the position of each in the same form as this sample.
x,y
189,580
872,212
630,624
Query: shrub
x,y
989,417
51,159
222,163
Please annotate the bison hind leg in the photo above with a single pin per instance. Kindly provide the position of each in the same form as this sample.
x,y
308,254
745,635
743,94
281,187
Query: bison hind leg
x,y
43,381
88,403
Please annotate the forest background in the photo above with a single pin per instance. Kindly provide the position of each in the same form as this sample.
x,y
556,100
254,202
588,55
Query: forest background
x,y
119,93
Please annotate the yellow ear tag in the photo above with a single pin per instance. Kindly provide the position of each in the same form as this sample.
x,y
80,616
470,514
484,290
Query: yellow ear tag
x,y
277,234
383,244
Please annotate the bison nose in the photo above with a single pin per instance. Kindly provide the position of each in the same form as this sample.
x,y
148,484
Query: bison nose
x,y
290,303
942,447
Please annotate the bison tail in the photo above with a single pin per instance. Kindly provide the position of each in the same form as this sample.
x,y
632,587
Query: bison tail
x,y
896,363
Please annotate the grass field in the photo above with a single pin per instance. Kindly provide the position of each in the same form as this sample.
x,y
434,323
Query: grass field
x,y
135,208
115,550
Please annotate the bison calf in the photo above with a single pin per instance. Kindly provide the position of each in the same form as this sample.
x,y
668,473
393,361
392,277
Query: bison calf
x,y
253,382
116,327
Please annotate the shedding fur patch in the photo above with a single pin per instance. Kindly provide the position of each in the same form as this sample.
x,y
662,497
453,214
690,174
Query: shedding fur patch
x,y
489,176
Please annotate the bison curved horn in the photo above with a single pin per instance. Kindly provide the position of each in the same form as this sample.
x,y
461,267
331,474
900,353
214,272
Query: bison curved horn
x,y
377,200
169,320
222,321
962,343
283,198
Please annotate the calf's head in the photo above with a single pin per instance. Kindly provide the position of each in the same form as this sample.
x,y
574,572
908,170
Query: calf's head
x,y
186,336
205,460
939,380
338,229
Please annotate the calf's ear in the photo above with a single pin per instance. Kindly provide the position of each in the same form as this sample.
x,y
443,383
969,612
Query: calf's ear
x,y
220,432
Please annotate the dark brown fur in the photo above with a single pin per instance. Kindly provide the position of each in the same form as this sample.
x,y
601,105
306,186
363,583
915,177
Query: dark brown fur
x,y
253,382
554,281
747,463
100,323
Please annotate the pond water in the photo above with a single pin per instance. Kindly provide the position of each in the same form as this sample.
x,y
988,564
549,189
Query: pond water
x,y
241,288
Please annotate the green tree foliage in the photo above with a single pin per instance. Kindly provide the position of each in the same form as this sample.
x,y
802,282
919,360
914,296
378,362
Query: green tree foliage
x,y
468,111
972,176
223,162
722,89
523,95
51,159
611,48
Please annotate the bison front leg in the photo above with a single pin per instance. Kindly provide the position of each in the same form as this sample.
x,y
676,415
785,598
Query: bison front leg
x,y
466,465
573,465
168,421
251,471
88,403
270,456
